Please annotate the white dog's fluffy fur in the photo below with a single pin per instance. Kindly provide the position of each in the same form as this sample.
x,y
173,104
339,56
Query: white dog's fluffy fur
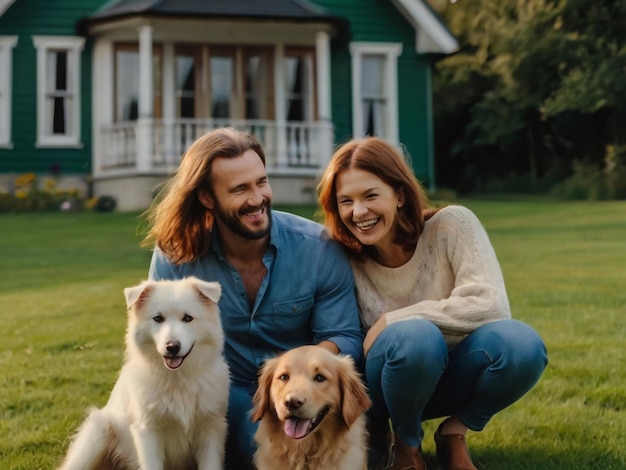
x,y
168,407
310,403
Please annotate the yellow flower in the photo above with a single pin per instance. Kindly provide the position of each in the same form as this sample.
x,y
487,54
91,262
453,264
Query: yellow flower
x,y
25,180
50,184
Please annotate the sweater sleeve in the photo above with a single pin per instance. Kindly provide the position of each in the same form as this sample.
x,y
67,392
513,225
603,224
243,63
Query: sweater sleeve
x,y
478,293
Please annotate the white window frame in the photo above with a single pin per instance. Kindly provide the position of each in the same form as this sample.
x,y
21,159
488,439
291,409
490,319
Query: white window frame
x,y
7,43
73,46
391,51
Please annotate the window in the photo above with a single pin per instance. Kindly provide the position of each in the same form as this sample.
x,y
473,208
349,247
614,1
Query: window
x,y
375,89
7,43
58,90
221,84
127,82
257,84
297,88
186,84
225,83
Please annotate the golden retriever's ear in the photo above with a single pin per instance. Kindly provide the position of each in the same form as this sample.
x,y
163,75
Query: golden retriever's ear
x,y
261,400
354,397
136,295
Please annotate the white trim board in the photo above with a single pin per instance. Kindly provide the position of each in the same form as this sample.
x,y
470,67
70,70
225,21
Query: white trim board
x,y
4,5
431,35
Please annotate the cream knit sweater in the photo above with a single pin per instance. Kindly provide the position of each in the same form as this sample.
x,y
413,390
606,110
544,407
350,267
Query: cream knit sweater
x,y
453,279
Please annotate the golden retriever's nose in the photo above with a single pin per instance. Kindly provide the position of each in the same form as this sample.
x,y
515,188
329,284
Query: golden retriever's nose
x,y
173,347
293,403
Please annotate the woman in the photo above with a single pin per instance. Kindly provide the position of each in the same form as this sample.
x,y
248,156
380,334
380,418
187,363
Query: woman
x,y
440,341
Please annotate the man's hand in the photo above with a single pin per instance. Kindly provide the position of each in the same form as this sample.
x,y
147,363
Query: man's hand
x,y
330,346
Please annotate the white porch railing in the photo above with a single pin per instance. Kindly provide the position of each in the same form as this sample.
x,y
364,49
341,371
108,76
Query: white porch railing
x,y
294,147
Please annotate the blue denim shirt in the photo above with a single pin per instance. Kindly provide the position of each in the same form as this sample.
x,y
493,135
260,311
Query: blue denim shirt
x,y
307,296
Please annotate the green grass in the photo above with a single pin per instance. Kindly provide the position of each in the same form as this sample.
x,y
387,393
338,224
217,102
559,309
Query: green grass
x,y
63,318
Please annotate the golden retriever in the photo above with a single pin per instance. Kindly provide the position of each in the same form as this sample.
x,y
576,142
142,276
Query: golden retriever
x,y
310,404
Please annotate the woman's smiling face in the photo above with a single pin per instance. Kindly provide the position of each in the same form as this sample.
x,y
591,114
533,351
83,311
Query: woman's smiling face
x,y
367,206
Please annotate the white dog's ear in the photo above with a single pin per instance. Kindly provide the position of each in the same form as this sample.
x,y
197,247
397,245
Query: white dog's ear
x,y
210,290
137,293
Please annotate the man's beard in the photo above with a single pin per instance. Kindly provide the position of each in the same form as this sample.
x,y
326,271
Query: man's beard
x,y
233,222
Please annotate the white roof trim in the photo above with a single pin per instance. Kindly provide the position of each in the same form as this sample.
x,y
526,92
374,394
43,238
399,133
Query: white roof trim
x,y
4,5
431,35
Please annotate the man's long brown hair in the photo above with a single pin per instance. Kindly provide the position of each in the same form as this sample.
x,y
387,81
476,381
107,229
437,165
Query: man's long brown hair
x,y
379,157
177,222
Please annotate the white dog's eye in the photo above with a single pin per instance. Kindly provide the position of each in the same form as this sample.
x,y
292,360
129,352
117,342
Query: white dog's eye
x,y
283,377
187,318
159,318
320,378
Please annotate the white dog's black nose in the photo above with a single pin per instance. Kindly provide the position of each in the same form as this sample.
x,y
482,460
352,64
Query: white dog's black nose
x,y
173,347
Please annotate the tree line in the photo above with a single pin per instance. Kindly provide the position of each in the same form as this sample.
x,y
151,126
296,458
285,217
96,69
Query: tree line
x,y
535,99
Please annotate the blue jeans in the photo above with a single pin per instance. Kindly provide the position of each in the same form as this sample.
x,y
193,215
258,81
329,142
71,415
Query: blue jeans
x,y
240,445
413,377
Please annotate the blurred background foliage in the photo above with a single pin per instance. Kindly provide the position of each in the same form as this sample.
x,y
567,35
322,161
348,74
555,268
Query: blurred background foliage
x,y
535,99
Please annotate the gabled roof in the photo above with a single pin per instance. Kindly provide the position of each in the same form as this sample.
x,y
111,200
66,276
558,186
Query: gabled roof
x,y
298,10
4,5
432,35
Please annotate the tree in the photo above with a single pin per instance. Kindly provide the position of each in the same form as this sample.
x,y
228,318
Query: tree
x,y
536,86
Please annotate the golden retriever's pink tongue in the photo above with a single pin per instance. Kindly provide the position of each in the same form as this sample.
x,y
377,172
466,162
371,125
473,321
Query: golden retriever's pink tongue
x,y
173,362
297,428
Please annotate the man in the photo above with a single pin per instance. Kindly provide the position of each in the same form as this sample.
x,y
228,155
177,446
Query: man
x,y
285,282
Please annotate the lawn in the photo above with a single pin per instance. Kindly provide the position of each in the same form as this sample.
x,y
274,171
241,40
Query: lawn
x,y
63,317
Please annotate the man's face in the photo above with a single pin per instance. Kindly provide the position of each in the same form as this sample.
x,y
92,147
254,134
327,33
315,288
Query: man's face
x,y
242,195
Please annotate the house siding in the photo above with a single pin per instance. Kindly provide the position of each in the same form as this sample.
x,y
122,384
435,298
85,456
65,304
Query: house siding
x,y
370,21
56,18
380,21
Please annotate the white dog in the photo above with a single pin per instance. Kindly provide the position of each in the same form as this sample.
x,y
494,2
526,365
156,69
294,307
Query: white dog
x,y
168,407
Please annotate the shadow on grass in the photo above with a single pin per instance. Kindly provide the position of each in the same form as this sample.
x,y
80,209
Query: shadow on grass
x,y
536,460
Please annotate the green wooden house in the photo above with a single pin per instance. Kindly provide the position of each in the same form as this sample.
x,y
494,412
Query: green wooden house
x,y
107,95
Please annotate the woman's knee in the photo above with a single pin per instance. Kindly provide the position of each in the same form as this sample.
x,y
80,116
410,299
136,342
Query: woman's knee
x,y
416,343
517,346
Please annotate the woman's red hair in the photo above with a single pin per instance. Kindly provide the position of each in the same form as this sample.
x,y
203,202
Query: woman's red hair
x,y
379,157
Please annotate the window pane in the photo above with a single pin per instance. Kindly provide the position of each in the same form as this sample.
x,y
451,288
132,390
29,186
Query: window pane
x,y
57,96
373,94
254,82
58,119
61,71
373,112
185,86
126,85
296,91
221,86
372,78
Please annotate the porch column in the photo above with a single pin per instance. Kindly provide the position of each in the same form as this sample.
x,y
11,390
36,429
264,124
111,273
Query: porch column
x,y
145,119
102,104
280,101
326,138
169,104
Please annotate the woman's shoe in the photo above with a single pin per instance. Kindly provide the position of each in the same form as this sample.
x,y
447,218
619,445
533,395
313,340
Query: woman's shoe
x,y
452,451
406,457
